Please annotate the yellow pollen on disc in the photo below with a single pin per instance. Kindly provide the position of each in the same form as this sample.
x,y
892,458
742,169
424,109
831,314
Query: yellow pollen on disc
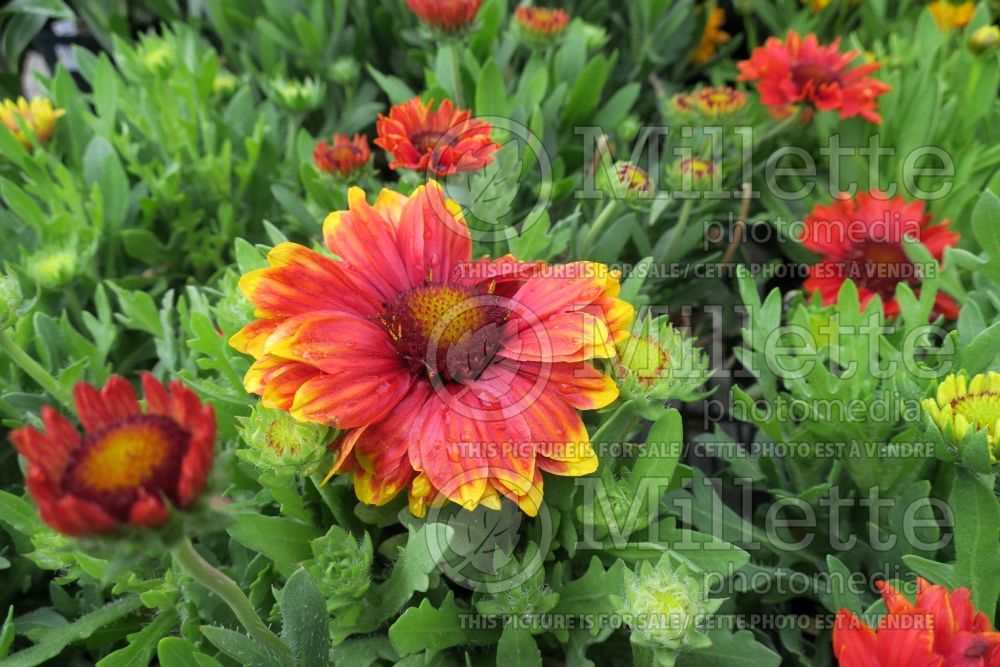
x,y
125,458
444,313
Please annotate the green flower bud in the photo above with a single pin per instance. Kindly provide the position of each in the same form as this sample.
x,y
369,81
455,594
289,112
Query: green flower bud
x,y
665,604
278,442
10,300
344,70
157,55
626,182
52,267
659,364
595,35
224,83
985,39
629,128
297,96
341,567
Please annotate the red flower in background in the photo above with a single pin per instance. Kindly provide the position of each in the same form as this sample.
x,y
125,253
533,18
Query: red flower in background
x,y
802,71
541,22
129,466
446,15
344,156
443,142
940,629
862,239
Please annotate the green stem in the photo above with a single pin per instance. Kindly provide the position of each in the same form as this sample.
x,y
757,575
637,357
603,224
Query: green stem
x,y
33,369
456,72
598,226
211,578
679,230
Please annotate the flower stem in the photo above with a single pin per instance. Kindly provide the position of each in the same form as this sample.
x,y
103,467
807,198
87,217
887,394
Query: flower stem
x,y
679,229
33,369
211,578
456,71
598,226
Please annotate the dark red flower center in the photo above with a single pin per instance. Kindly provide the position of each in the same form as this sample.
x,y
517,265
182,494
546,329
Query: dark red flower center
x,y
445,330
815,73
879,267
426,141
111,466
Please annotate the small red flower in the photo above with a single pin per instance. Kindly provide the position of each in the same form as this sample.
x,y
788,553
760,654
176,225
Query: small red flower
x,y
446,15
541,22
802,71
862,238
443,142
344,157
940,629
129,466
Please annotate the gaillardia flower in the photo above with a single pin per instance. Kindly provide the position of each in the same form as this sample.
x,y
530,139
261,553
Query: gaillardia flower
x,y
709,102
343,157
802,71
713,36
961,406
862,239
442,142
625,181
129,467
445,15
816,6
37,115
458,379
950,16
939,629
541,24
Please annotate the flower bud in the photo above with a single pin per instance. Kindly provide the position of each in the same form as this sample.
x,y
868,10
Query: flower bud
x,y
157,56
985,39
38,115
52,267
659,364
10,300
224,83
595,35
540,26
665,603
693,175
297,96
344,70
341,567
625,181
966,412
278,442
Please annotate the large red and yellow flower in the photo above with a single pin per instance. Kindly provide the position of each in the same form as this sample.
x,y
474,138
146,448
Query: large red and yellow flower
x,y
446,15
442,142
862,238
457,379
343,157
129,467
804,72
938,629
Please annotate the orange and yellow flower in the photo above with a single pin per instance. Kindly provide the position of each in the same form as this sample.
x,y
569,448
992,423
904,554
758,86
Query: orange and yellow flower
x,y
343,157
804,72
542,23
961,406
861,238
710,102
443,142
446,15
130,466
455,379
712,38
950,16
38,115
938,629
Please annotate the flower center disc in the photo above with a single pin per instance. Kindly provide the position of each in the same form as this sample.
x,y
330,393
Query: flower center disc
x,y
812,72
427,140
345,156
111,466
982,410
445,330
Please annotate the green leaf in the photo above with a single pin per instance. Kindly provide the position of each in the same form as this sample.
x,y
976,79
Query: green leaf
x,y
7,632
739,648
19,514
933,571
304,620
239,647
518,648
590,594
434,629
277,538
394,87
178,652
491,92
142,644
55,9
986,224
57,639
977,536
840,582
983,351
